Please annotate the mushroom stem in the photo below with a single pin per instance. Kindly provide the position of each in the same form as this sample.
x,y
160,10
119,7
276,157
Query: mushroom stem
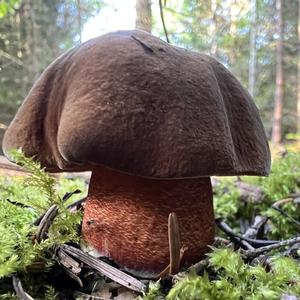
x,y
126,218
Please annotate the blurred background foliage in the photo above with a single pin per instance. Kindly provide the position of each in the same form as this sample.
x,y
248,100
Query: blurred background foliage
x,y
258,40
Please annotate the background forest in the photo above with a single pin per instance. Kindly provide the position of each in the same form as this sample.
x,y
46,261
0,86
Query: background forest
x,y
258,40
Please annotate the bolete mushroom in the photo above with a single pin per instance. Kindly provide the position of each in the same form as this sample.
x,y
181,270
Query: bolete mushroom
x,y
152,122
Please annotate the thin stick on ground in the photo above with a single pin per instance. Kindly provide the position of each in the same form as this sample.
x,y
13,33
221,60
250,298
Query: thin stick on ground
x,y
46,222
250,254
21,294
277,206
106,269
239,238
76,205
256,226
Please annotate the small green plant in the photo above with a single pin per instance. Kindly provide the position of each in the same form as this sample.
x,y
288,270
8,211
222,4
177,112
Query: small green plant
x,y
226,200
282,181
22,201
233,279
153,293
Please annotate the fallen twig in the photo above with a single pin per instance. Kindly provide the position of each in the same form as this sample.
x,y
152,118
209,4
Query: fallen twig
x,y
70,194
253,230
21,294
106,269
67,261
220,241
198,268
76,205
224,227
16,203
73,276
277,206
238,238
70,266
46,222
254,253
292,250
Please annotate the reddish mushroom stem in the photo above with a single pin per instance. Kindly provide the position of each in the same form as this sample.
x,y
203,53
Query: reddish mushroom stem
x,y
126,218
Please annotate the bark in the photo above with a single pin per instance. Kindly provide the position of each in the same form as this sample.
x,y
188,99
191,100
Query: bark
x,y
143,15
252,58
278,106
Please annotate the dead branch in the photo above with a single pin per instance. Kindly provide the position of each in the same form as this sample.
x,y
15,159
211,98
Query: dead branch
x,y
250,254
255,227
238,238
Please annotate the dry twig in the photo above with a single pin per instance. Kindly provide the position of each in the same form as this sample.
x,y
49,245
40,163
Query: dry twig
x,y
46,222
250,254
106,269
253,230
21,294
239,238
277,206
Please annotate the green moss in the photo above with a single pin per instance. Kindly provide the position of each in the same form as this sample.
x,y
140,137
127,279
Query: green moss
x,y
235,280
22,201
283,180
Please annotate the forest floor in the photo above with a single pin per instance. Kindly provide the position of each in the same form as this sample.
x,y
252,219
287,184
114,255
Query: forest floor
x,y
256,254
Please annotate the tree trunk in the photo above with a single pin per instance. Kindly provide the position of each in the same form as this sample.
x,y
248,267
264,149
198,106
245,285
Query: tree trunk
x,y
252,58
79,20
213,27
277,119
143,15
234,15
298,84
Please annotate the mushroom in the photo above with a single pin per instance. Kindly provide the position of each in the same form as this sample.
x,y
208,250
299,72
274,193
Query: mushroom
x,y
152,122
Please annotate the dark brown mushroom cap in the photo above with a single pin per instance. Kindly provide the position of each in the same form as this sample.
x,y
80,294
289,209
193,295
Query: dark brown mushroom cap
x,y
129,101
